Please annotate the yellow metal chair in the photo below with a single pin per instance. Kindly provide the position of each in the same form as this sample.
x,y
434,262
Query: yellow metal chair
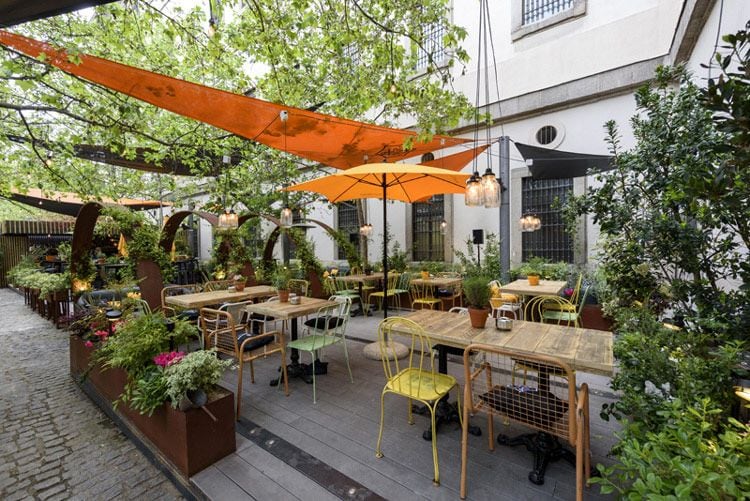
x,y
424,295
389,290
502,302
415,378
562,310
573,299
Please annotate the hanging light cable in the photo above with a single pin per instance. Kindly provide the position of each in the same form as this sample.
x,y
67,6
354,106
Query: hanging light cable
x,y
286,217
229,219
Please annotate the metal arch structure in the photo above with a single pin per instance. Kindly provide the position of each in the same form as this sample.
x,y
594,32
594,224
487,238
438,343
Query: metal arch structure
x,y
173,224
147,272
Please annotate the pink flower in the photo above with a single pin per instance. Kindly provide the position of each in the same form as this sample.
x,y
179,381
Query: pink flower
x,y
568,292
88,344
168,358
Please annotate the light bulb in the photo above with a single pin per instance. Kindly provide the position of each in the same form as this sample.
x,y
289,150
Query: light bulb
x,y
474,196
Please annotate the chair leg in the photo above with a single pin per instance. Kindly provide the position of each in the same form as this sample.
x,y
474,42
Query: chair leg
x,y
378,452
312,354
252,372
283,372
410,419
346,358
239,390
465,447
436,478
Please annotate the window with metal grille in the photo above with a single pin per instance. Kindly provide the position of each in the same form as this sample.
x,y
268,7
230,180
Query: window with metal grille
x,y
546,134
539,10
348,223
425,226
296,218
551,241
432,45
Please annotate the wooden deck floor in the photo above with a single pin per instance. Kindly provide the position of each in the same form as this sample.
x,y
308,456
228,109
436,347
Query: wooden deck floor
x,y
289,448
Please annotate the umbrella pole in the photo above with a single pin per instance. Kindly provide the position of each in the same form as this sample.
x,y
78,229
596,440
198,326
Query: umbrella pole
x,y
385,252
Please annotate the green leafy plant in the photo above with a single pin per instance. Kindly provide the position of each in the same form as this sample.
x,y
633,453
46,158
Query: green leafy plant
x,y
689,457
533,267
199,370
488,265
477,291
281,277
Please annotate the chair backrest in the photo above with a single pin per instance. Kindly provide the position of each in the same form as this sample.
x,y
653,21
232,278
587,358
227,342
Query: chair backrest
x,y
237,310
342,311
299,287
404,280
460,310
534,309
577,289
422,291
449,274
579,306
142,307
421,356
217,285
219,331
537,391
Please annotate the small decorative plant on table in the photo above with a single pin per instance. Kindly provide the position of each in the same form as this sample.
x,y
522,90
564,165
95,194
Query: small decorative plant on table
x,y
239,282
477,292
281,278
533,269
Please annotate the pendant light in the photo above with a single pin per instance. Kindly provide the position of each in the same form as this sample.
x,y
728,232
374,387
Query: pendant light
x,y
365,230
228,220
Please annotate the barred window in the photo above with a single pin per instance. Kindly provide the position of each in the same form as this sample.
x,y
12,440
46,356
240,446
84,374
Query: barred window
x,y
432,44
348,223
545,197
535,11
428,239
296,218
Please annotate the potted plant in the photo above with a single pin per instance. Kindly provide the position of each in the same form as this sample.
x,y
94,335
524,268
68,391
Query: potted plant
x,y
533,269
281,278
477,292
239,282
424,272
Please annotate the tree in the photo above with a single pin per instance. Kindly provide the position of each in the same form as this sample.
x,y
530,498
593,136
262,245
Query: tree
x,y
345,57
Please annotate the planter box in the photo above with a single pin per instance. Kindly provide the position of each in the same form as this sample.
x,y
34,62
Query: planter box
x,y
191,440
592,318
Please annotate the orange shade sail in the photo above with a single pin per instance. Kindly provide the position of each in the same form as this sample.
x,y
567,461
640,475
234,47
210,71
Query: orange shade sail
x,y
327,139
456,161
62,202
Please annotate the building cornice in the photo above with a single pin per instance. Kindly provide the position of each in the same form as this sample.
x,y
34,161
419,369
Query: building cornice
x,y
693,18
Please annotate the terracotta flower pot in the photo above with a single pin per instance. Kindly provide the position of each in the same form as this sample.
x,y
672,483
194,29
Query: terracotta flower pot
x,y
425,275
283,295
478,317
239,285
533,279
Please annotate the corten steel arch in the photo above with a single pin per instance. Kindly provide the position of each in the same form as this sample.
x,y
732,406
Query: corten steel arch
x,y
147,272
316,287
173,224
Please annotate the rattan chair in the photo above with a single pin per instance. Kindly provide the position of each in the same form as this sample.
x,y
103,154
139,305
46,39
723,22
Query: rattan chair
x,y
217,285
299,287
179,290
234,340
552,407
416,378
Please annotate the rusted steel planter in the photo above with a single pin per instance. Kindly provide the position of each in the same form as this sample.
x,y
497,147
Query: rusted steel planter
x,y
190,440
592,318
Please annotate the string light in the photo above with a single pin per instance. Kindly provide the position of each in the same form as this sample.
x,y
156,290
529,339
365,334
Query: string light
x,y
365,230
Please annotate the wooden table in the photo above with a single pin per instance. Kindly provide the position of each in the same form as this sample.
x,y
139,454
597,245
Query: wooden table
x,y
444,282
585,350
289,311
201,299
521,286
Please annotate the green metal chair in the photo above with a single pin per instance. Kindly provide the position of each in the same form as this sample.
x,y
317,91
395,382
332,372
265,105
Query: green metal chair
x,y
326,329
562,312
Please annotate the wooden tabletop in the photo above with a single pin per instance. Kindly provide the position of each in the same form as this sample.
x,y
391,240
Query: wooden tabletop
x,y
361,278
285,311
201,299
438,281
585,350
521,286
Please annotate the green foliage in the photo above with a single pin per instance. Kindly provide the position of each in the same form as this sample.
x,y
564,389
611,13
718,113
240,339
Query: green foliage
x,y
64,251
29,275
477,291
350,250
542,268
141,338
149,391
305,252
281,277
489,264
689,457
199,370
397,258
143,240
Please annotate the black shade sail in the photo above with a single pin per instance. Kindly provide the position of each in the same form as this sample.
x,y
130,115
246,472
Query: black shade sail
x,y
545,163
14,12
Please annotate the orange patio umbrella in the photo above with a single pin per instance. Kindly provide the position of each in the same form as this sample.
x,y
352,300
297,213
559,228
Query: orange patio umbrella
x,y
404,182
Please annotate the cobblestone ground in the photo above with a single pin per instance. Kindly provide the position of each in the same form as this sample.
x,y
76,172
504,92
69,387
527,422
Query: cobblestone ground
x,y
54,442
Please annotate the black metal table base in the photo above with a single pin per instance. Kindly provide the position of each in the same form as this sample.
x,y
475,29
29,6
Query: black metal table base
x,y
546,448
445,413
302,371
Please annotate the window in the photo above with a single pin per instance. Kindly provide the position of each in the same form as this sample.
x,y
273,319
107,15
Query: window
x,y
432,46
544,197
296,218
530,16
428,239
547,134
348,223
535,11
